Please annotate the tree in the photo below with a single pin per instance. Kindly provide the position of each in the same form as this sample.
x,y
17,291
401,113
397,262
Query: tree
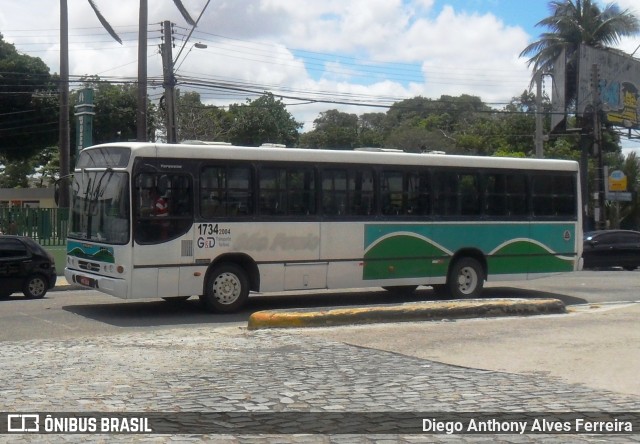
x,y
27,111
264,120
197,121
572,23
371,129
333,129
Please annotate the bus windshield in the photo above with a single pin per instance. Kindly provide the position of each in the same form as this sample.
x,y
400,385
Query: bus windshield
x,y
100,210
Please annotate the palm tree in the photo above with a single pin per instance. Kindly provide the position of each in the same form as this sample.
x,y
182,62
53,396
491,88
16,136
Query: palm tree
x,y
576,22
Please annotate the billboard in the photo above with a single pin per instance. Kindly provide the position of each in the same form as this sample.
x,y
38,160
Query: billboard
x,y
618,86
558,91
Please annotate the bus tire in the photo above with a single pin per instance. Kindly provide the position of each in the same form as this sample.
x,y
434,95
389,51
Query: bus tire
x,y
227,289
466,278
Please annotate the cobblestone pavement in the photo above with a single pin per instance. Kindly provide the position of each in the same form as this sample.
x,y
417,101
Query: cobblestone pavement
x,y
231,369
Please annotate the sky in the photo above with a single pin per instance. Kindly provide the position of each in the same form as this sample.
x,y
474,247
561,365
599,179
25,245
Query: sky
x,y
357,56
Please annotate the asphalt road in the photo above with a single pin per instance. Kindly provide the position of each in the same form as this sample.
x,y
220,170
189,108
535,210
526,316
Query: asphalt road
x,y
73,313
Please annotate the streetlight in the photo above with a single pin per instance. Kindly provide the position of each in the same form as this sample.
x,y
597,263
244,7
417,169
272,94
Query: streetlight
x,y
195,45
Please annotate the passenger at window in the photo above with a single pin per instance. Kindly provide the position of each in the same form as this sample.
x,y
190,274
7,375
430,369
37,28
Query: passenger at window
x,y
159,208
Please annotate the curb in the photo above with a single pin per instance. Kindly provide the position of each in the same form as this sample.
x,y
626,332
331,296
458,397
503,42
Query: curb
x,y
63,285
409,312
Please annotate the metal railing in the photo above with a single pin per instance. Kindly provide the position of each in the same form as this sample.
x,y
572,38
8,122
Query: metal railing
x,y
48,226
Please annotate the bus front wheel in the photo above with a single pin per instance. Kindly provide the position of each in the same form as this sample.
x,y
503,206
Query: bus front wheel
x,y
227,289
466,278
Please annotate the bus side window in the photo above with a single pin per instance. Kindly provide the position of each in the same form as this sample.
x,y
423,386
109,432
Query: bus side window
x,y
361,193
469,195
392,192
301,191
418,189
553,195
445,191
334,192
495,195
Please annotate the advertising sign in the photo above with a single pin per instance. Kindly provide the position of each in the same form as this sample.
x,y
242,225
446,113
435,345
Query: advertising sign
x,y
618,85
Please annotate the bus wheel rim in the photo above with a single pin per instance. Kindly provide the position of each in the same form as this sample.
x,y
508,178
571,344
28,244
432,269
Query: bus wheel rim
x,y
467,280
227,288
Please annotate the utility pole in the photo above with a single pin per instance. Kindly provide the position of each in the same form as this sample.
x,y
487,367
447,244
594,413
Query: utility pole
x,y
65,131
538,137
141,123
169,82
599,211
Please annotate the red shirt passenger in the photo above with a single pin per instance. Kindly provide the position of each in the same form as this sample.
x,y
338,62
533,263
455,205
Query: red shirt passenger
x,y
160,207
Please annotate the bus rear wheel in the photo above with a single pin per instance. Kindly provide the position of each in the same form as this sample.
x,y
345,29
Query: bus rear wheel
x,y
227,289
466,278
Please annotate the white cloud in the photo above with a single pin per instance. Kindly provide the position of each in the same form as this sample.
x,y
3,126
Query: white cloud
x,y
348,47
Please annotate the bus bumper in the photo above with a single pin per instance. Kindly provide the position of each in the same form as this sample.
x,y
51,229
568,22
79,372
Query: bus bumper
x,y
114,287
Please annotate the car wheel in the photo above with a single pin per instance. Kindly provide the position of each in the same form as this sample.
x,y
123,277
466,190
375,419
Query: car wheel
x,y
629,267
466,278
227,289
35,287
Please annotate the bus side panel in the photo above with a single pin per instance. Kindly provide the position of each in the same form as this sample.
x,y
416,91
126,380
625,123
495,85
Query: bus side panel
x,y
144,283
272,246
557,250
271,277
192,280
342,247
168,282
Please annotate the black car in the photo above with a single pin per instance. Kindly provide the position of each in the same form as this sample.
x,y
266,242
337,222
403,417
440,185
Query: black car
x,y
611,248
25,267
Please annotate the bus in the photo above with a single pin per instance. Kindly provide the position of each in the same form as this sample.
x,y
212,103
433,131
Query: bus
x,y
236,220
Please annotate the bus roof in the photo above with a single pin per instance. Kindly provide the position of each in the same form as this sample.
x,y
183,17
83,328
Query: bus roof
x,y
215,150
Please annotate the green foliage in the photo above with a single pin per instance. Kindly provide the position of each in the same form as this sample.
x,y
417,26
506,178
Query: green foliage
x,y
197,121
264,120
333,130
28,116
15,175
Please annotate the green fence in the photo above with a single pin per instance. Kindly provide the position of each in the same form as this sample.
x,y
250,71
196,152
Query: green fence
x,y
48,226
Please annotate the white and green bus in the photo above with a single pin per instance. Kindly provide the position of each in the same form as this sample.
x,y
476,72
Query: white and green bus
x,y
268,219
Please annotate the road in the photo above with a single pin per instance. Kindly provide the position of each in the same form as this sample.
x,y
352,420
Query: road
x,y
84,351
78,313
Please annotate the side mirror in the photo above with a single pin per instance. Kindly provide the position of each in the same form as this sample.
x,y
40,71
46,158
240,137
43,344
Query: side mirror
x,y
57,186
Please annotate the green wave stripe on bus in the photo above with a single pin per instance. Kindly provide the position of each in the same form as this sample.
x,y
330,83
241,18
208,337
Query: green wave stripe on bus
x,y
412,256
90,252
524,256
404,256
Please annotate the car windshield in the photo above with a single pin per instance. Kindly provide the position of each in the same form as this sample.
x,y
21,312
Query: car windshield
x,y
100,206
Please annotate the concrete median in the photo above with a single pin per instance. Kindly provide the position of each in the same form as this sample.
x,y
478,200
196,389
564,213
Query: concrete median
x,y
409,312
